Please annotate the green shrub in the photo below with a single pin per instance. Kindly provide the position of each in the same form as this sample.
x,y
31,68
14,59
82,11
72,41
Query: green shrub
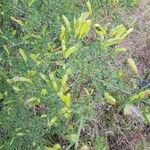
x,y
54,71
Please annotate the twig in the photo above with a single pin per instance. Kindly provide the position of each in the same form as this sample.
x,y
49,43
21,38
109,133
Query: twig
x,y
79,131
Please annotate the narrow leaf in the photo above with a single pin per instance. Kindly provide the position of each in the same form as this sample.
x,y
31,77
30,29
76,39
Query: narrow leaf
x,y
19,79
127,33
33,101
30,2
133,66
71,50
112,42
109,99
88,4
67,23
6,49
17,21
21,51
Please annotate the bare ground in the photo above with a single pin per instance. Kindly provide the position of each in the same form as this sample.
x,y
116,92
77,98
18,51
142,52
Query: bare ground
x,y
136,43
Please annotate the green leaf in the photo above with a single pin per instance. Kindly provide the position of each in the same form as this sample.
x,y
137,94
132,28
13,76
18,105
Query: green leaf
x,y
127,110
67,23
17,21
147,117
54,83
112,42
127,33
109,99
1,95
101,144
133,66
81,19
118,51
64,80
43,77
65,98
19,79
30,2
43,92
116,30
16,89
101,31
33,101
20,134
71,50
6,49
21,51
53,122
34,57
63,33
88,4
83,29
140,96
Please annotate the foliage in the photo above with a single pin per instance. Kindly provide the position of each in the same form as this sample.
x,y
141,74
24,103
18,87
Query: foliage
x,y
55,69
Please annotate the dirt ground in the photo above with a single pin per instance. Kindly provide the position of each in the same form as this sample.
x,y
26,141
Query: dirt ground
x,y
136,43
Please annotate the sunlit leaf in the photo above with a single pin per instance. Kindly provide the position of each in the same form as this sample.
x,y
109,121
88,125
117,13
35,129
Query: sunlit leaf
x,y
14,32
31,73
53,122
30,2
54,83
65,98
127,33
140,96
71,50
17,21
101,31
81,19
84,147
133,66
63,44
89,7
21,51
43,77
17,89
112,42
67,23
66,112
63,33
55,147
117,30
43,92
20,134
127,109
118,51
109,99
33,101
19,79
6,49
83,29
64,80
34,57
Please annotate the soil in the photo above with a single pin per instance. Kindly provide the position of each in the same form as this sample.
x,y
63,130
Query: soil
x,y
138,43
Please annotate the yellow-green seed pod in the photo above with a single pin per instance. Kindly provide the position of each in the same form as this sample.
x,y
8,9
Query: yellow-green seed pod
x,y
17,21
88,4
133,66
67,23
22,52
109,99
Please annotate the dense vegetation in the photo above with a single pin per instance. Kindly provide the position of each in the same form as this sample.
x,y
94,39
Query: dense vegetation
x,y
62,83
